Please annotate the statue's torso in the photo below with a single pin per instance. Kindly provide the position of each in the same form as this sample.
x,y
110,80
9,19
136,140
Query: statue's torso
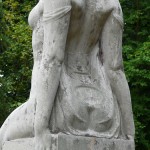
x,y
84,103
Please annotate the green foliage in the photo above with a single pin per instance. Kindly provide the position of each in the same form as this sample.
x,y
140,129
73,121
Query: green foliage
x,y
16,56
136,52
138,72
16,60
3,45
3,38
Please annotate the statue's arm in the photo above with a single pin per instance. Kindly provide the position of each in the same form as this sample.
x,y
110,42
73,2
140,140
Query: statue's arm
x,y
56,22
111,45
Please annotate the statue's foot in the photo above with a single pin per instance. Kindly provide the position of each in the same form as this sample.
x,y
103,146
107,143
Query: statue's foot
x,y
43,141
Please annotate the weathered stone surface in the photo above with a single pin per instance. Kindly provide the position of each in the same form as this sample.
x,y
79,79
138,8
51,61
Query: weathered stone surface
x,y
78,86
70,142
21,144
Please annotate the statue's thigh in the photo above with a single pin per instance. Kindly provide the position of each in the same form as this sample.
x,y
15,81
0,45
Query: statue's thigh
x,y
20,123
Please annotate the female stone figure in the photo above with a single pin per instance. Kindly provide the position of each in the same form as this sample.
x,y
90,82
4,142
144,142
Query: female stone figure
x,y
78,84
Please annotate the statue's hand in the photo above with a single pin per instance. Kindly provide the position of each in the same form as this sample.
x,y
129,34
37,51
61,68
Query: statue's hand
x,y
43,141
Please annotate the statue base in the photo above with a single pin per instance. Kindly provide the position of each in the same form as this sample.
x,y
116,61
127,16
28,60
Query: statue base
x,y
70,142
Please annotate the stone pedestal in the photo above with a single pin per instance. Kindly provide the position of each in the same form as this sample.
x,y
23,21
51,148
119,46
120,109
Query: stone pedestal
x,y
70,142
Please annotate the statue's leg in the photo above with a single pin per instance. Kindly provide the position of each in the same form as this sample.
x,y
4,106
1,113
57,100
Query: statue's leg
x,y
19,124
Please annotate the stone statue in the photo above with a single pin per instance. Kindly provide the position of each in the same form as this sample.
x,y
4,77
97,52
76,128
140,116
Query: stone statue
x,y
78,85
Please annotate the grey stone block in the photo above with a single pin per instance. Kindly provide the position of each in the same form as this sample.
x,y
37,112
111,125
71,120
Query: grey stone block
x,y
70,142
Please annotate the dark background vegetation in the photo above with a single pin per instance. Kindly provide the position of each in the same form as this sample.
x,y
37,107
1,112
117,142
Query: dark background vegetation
x,y
16,59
